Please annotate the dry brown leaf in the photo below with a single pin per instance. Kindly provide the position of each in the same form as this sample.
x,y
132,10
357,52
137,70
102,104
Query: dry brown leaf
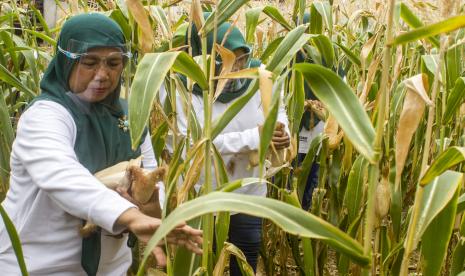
x,y
192,176
412,112
228,58
369,79
266,88
366,49
197,14
259,33
331,131
138,12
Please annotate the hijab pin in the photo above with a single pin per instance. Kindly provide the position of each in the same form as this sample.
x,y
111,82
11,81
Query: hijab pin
x,y
123,123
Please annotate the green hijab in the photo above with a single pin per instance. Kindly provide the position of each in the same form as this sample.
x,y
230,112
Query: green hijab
x,y
234,40
101,140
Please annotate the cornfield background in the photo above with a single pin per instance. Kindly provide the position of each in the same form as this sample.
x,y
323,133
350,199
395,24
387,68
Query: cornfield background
x,y
390,196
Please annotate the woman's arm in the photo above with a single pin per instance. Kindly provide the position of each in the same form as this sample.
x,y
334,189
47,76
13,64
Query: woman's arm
x,y
45,145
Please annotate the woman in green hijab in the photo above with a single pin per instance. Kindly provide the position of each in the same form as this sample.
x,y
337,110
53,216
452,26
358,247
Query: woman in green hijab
x,y
239,139
76,127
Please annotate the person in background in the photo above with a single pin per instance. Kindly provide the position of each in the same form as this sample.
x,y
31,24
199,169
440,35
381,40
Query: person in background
x,y
240,137
74,128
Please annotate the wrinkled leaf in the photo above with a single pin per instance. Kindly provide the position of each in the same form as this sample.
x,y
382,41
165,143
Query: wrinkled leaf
x,y
343,105
412,112
291,219
450,157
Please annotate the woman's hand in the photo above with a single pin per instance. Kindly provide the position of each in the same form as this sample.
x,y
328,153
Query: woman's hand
x,y
280,139
144,227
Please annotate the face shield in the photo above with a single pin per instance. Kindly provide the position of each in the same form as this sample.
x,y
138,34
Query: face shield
x,y
95,71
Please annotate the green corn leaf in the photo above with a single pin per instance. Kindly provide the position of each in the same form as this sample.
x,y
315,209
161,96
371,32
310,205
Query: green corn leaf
x,y
239,183
450,157
268,128
159,140
297,102
251,22
455,99
225,9
42,36
9,78
437,194
343,105
458,259
122,21
6,141
324,9
354,192
11,230
445,26
221,230
291,219
270,49
453,64
159,14
414,22
220,168
287,49
316,21
148,79
436,239
458,255
274,14
325,47
350,55
41,19
186,65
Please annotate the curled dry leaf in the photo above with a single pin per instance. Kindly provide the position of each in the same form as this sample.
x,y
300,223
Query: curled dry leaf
x,y
317,108
197,14
146,38
266,88
331,131
259,33
192,176
372,69
412,112
228,59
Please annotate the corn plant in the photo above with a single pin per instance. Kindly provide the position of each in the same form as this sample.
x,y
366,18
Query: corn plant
x,y
391,154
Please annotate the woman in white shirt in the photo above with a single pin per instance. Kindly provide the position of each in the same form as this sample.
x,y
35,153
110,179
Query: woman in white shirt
x,y
76,127
239,138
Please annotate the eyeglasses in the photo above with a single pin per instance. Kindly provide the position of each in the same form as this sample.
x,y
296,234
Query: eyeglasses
x,y
113,61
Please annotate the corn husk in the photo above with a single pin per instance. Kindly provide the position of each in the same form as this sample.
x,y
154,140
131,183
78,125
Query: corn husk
x,y
117,176
383,199
412,112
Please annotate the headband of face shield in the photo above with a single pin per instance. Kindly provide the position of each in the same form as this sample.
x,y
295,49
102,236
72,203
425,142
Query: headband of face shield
x,y
87,59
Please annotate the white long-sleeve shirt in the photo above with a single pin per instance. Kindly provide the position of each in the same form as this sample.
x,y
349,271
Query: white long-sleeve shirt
x,y
237,140
51,193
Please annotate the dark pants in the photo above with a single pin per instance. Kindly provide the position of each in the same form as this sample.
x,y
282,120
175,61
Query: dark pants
x,y
312,183
245,232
